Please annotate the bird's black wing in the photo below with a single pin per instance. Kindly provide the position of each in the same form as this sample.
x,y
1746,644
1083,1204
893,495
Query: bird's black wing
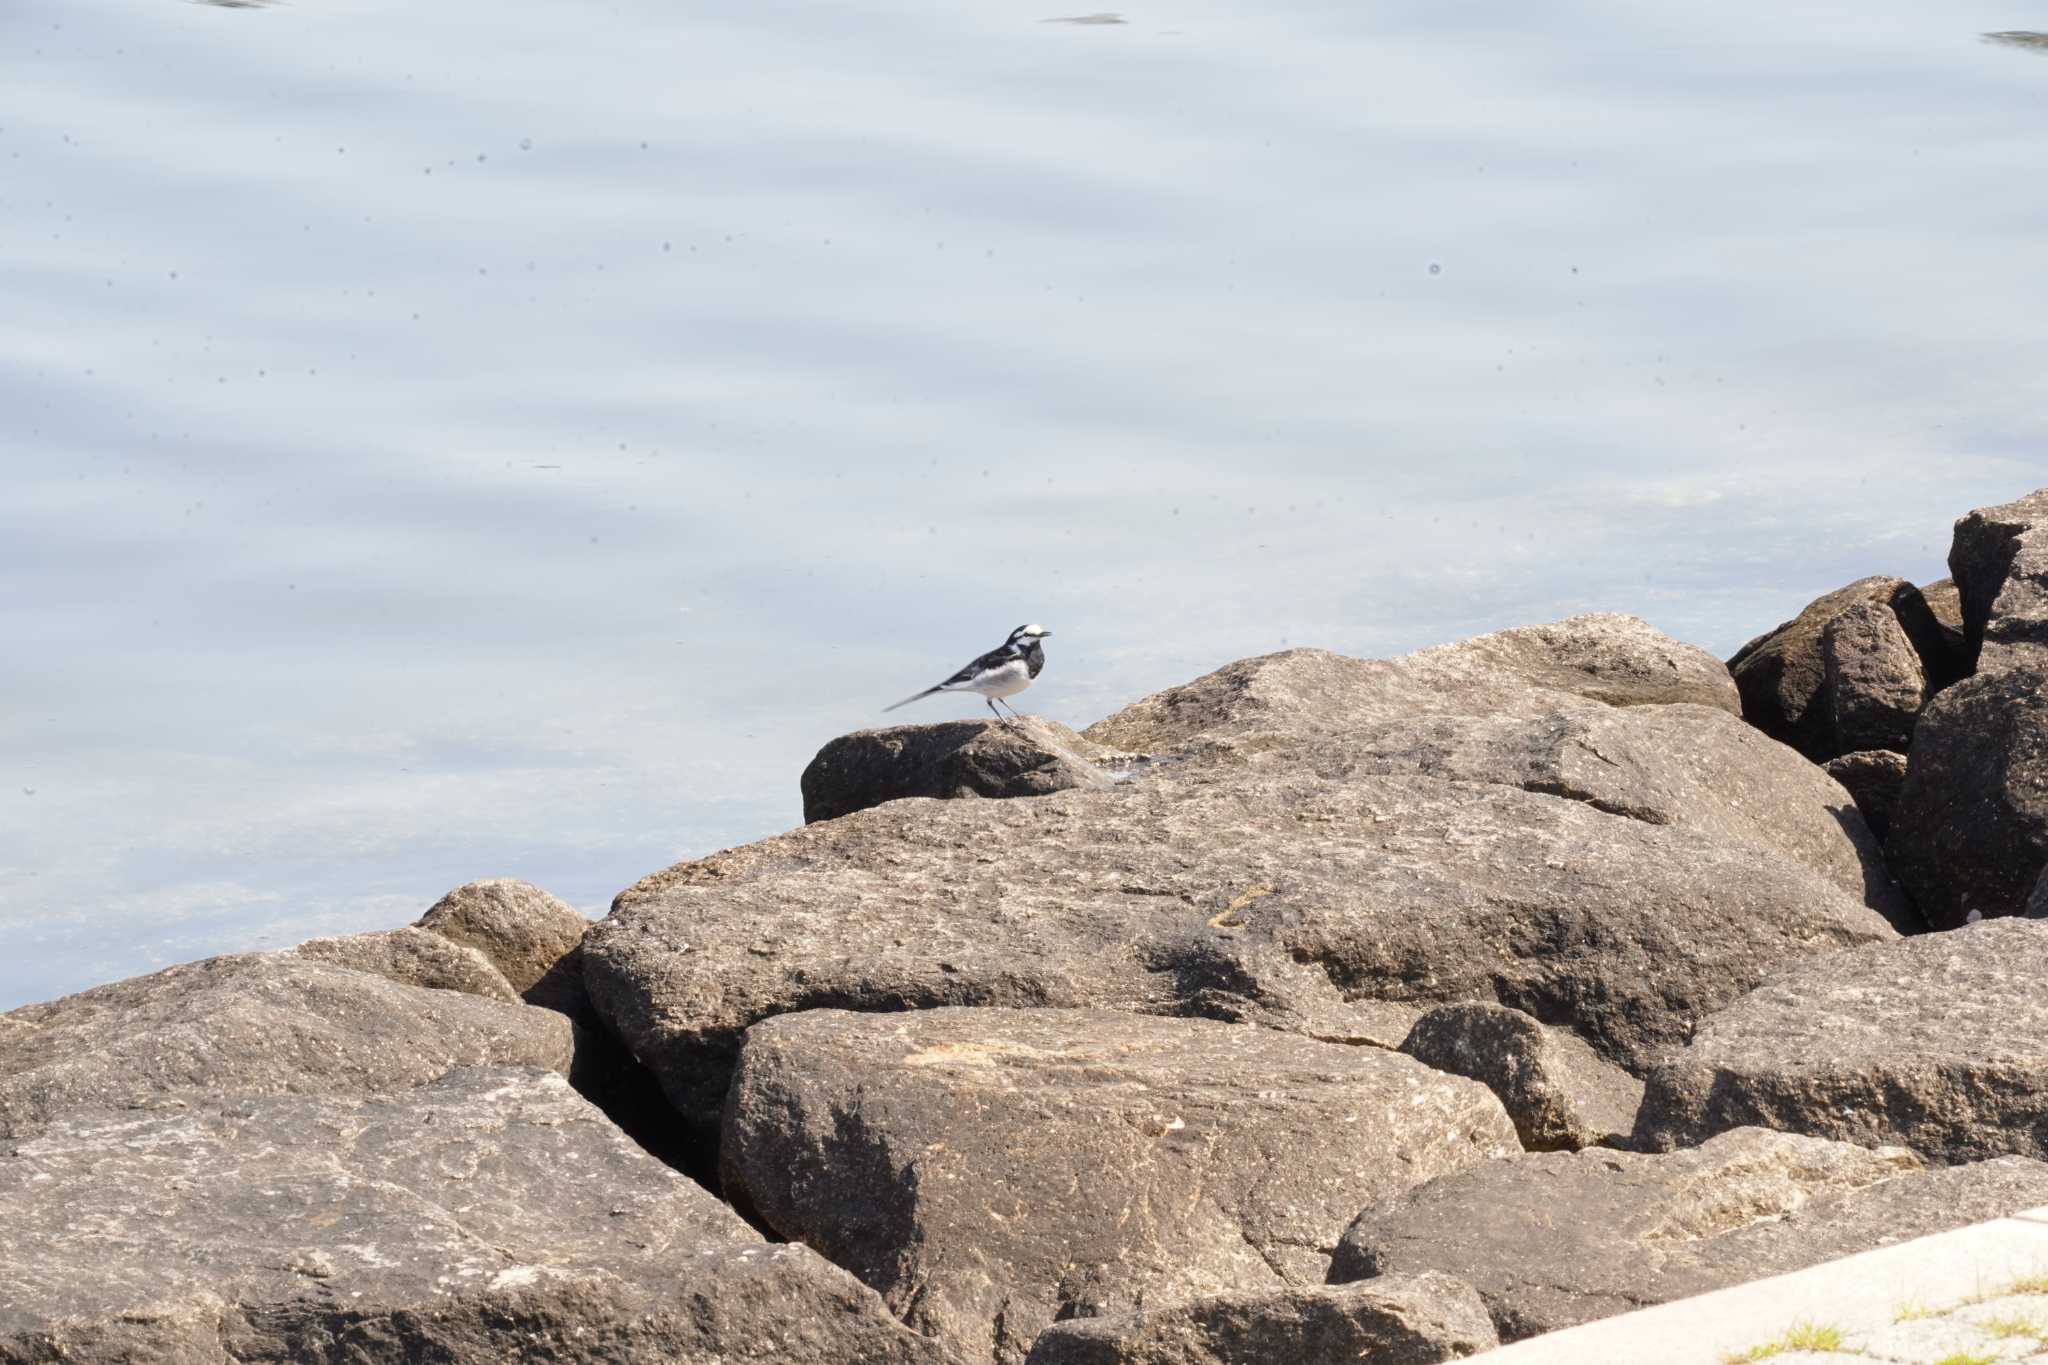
x,y
995,658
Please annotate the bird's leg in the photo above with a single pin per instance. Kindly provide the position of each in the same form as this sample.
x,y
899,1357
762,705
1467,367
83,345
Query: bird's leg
x,y
992,706
1013,709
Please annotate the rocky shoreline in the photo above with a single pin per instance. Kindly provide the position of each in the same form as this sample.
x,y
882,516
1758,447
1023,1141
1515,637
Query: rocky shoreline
x,y
1319,1009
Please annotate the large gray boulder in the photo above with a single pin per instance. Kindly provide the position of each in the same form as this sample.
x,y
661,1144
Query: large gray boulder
x,y
413,957
1283,700
1250,895
1560,1093
1970,832
255,1024
990,1170
1938,1043
1999,558
1690,767
1026,757
1395,1320
490,1216
1470,712
1847,673
533,937
1556,1239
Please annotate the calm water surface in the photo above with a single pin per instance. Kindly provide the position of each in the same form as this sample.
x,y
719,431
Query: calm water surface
x,y
462,440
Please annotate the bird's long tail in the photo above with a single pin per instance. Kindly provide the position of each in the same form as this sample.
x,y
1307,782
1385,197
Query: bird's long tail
x,y
915,697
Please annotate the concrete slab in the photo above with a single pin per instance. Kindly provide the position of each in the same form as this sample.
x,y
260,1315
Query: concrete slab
x,y
1963,1295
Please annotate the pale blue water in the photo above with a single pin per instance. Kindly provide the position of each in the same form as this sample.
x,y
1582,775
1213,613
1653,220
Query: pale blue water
x,y
465,440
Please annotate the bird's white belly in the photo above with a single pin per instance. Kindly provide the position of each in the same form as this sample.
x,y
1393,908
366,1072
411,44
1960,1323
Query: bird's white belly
x,y
1006,681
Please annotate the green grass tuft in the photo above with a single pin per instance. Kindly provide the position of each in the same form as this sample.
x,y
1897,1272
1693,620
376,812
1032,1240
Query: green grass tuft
x,y
2007,1328
1800,1336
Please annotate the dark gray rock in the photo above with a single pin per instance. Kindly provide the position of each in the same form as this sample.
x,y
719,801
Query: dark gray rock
x,y
1951,663
490,1216
2037,904
1999,551
1026,757
1873,681
413,957
1396,1320
1560,1093
1784,674
989,1170
1970,831
534,938
1234,894
257,1024
2017,632
1938,1043
1556,1239
1875,777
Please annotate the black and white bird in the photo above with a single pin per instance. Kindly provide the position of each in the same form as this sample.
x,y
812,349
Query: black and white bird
x,y
1004,671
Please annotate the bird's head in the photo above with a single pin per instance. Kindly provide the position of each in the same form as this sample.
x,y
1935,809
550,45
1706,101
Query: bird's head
x,y
1027,636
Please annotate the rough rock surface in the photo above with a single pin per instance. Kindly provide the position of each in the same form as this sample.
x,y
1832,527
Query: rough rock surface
x,y
1303,693
414,957
1784,674
2037,904
989,1170
1270,898
1938,1043
1999,552
1970,831
1395,1320
1556,1239
491,1216
1560,1093
259,1023
533,937
1873,681
1689,767
1027,757
1875,777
